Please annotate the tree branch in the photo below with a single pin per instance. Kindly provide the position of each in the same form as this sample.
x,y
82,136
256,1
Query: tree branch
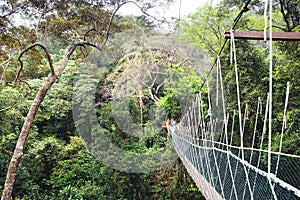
x,y
184,61
217,33
7,108
113,15
207,43
4,65
14,11
284,16
143,11
151,95
92,29
18,151
7,151
27,49
280,28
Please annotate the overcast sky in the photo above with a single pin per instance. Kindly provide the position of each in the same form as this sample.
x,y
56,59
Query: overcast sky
x,y
187,6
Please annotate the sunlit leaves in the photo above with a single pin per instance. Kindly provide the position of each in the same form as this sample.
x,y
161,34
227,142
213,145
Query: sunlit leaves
x,y
204,29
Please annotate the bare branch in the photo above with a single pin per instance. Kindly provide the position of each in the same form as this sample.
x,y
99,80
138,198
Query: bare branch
x,y
280,28
152,96
27,49
184,61
284,15
23,81
92,29
159,86
108,28
113,15
7,151
216,32
6,63
14,11
40,19
7,108
207,43
143,11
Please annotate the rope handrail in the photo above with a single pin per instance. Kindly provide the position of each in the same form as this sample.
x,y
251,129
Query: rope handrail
x,y
247,164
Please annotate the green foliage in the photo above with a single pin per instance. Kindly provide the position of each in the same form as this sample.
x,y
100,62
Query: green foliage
x,y
56,164
204,29
253,64
74,171
59,165
37,167
287,70
179,92
170,186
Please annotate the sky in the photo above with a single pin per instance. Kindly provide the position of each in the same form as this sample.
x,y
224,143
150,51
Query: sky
x,y
187,6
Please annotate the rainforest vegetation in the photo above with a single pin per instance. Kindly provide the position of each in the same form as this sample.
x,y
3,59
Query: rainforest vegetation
x,y
72,68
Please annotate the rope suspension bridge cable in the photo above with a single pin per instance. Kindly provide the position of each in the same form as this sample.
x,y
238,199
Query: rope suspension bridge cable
x,y
236,20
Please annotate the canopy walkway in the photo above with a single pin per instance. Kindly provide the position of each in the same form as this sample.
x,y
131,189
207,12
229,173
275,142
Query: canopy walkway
x,y
210,141
219,168
222,170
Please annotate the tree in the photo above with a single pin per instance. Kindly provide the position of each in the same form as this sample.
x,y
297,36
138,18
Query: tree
x,y
77,37
290,11
75,161
204,29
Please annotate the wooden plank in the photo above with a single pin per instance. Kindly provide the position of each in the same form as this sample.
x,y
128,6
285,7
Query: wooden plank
x,y
259,35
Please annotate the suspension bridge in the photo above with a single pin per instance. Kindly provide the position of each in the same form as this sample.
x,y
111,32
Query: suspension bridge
x,y
222,170
204,138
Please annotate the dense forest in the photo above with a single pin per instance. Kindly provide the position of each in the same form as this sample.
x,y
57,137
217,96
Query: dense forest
x,y
84,91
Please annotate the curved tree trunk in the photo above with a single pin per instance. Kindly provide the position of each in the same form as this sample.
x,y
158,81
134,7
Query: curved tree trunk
x,y
18,152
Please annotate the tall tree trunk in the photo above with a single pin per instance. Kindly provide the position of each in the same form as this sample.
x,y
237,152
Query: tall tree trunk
x,y
18,152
